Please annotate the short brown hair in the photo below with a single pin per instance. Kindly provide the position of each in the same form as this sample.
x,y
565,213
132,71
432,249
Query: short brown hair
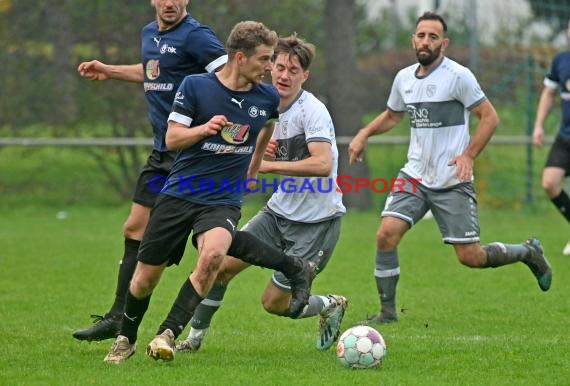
x,y
246,36
295,46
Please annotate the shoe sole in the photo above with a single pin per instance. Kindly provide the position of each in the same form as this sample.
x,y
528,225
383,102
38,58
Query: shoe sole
x,y
96,339
337,334
189,348
116,362
164,353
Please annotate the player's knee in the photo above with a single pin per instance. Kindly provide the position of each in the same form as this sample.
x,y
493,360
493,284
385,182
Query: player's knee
x,y
141,287
273,307
470,258
133,229
386,240
551,188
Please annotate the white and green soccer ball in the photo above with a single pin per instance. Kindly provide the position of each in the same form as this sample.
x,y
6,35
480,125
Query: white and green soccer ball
x,y
361,347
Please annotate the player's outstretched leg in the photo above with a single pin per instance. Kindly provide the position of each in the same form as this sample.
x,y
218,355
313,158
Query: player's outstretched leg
x,y
330,321
162,346
121,350
538,264
301,282
105,327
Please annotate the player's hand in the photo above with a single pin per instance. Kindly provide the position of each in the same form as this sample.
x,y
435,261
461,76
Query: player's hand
x,y
93,70
356,149
215,125
271,149
252,184
463,167
538,136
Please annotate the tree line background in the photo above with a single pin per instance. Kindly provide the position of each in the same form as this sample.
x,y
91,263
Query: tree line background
x,y
357,58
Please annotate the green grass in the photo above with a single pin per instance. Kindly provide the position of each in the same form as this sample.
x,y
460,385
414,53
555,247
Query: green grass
x,y
458,326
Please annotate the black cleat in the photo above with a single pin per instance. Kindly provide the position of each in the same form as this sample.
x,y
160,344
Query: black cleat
x,y
106,327
301,283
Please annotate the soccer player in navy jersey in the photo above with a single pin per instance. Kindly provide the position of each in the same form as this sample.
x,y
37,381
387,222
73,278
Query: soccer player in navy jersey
x,y
172,46
218,125
304,223
557,166
439,94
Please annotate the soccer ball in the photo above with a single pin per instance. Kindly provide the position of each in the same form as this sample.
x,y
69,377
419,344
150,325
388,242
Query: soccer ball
x,y
361,347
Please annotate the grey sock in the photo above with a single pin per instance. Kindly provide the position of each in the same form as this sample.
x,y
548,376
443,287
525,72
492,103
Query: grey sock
x,y
499,254
207,308
387,274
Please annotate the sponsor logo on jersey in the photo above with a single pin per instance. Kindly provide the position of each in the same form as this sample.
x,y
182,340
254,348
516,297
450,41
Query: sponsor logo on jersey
x,y
255,112
149,86
235,134
219,148
166,49
152,69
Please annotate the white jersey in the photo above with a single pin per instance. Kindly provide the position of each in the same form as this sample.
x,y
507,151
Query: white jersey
x,y
439,105
306,199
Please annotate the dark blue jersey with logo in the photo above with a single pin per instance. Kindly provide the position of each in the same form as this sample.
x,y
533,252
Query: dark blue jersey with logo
x,y
559,77
167,57
213,171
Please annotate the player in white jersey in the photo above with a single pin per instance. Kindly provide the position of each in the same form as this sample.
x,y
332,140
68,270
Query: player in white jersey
x,y
303,218
439,95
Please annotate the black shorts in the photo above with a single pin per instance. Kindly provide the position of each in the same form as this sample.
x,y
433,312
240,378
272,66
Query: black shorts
x,y
152,177
171,221
559,155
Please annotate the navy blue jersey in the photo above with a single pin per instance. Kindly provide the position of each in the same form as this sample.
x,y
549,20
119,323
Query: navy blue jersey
x,y
167,57
559,76
213,171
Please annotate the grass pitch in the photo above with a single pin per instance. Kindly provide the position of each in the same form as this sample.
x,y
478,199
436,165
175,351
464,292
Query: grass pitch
x,y
458,326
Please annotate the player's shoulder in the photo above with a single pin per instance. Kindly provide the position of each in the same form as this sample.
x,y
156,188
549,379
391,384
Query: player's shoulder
x,y
268,89
311,102
191,26
563,56
201,80
452,67
151,27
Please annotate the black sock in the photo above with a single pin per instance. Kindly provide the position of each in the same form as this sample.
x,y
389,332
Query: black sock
x,y
562,202
252,250
182,309
132,318
126,270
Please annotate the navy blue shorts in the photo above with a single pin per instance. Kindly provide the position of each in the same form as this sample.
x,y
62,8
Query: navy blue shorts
x,y
559,155
152,176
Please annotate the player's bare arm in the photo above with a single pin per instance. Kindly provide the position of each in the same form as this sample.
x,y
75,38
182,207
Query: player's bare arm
x,y
488,122
261,145
179,136
318,164
96,70
545,104
381,124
